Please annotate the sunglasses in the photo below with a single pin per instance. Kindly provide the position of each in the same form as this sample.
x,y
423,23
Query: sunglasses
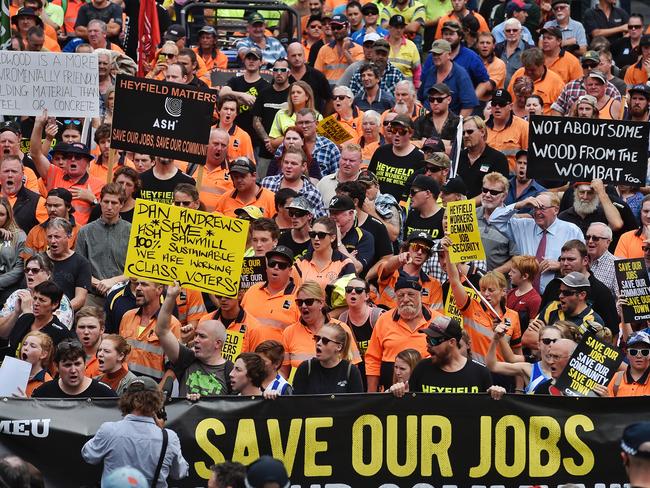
x,y
357,289
568,293
639,352
494,193
32,270
338,26
500,104
72,121
182,203
280,70
324,340
297,213
415,191
316,26
436,341
469,132
511,31
168,55
416,246
437,99
340,97
402,131
594,238
321,235
634,27
547,342
589,65
307,301
278,264
432,169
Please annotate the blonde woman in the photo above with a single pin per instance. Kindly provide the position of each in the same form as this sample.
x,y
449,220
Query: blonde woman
x,y
300,96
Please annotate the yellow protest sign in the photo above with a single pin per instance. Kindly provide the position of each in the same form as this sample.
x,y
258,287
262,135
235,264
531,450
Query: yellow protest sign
x,y
233,345
332,129
200,250
462,226
451,308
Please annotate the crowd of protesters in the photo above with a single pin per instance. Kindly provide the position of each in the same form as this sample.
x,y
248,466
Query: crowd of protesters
x,y
353,235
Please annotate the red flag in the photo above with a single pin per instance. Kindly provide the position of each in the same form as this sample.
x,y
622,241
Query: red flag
x,y
148,34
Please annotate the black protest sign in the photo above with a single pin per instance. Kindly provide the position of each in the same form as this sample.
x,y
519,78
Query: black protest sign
x,y
593,362
162,119
634,286
571,149
253,271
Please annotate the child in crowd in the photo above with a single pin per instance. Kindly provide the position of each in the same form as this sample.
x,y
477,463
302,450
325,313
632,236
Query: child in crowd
x,y
37,349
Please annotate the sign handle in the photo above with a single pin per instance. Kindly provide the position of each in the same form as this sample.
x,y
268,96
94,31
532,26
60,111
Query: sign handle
x,y
483,299
112,154
199,177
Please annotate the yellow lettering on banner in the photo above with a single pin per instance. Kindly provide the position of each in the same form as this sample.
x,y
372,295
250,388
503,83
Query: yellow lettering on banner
x,y
451,308
286,455
538,444
233,345
376,430
502,448
202,251
246,449
201,434
485,453
332,129
462,226
394,450
581,448
314,446
439,449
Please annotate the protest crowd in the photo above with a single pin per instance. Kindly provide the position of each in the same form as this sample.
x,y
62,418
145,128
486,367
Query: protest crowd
x,y
379,154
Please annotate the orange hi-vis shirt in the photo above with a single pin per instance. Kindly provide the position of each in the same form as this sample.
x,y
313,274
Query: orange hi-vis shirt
x,y
629,245
274,312
482,24
305,269
478,324
496,69
512,138
214,184
229,202
391,336
299,344
190,306
331,64
100,171
240,144
147,356
56,178
431,289
636,74
548,87
92,367
244,323
354,125
220,60
566,65
622,384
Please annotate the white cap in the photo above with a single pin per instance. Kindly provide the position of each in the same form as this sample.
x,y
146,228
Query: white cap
x,y
371,36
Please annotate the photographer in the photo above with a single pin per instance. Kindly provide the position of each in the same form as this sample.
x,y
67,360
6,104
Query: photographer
x,y
137,440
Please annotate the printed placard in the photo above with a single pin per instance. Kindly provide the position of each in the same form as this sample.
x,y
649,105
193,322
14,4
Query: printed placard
x,y
451,307
253,271
163,119
593,362
66,84
233,345
634,286
572,149
462,226
200,250
332,129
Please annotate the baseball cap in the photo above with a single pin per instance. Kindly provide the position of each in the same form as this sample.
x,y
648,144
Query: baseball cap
x,y
455,185
340,203
516,6
598,75
11,126
78,148
403,120
370,8
300,203
552,30
64,194
426,183
521,152
266,470
640,337
644,42
640,88
636,439
242,165
590,99
255,18
440,46
174,32
443,326
440,88
557,2
439,159
592,56
397,21
501,96
367,176
245,51
142,383
125,477
407,283
283,251
339,19
249,212
420,235
371,37
381,45
433,144
451,25
575,280
208,29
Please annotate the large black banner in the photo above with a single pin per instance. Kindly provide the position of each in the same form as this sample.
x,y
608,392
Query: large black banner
x,y
356,441
572,149
162,119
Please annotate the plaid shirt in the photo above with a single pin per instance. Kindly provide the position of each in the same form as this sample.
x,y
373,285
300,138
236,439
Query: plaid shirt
x,y
604,271
327,154
273,50
392,76
574,90
309,191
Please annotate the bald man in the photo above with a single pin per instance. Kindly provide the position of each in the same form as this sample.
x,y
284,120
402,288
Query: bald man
x,y
216,178
202,370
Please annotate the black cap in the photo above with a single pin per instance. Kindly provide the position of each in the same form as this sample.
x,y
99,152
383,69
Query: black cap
x,y
341,202
451,25
243,165
266,470
434,144
370,8
455,185
64,195
11,126
501,96
556,2
552,30
283,251
174,32
439,88
407,283
521,152
426,183
640,88
403,120
208,29
443,326
420,235
634,438
397,21
78,148
645,41
339,19
142,383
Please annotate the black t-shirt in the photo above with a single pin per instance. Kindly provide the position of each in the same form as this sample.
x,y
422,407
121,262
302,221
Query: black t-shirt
x,y
472,175
71,273
55,329
244,118
197,377
162,191
299,249
429,378
318,83
266,106
51,389
433,225
88,12
393,171
377,229
342,378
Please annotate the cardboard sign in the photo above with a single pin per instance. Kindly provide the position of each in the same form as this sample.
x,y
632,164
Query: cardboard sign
x,y
162,119
233,345
253,271
462,226
571,149
593,362
66,84
202,251
332,129
634,286
451,307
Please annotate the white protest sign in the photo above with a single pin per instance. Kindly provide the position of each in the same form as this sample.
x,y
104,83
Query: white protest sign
x,y
66,84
